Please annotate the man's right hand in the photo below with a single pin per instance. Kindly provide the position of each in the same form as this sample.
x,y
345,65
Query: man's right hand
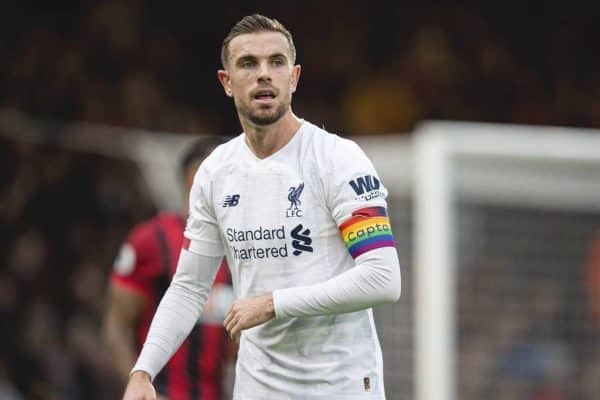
x,y
139,387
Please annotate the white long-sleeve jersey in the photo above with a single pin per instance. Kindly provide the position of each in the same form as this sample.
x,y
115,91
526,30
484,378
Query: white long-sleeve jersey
x,y
308,223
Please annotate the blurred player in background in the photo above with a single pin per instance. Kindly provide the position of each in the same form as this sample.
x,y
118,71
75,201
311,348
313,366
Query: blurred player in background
x,y
302,217
142,272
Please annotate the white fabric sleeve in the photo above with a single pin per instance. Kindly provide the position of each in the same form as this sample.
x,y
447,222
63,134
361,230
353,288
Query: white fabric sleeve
x,y
356,197
353,182
178,311
202,235
374,280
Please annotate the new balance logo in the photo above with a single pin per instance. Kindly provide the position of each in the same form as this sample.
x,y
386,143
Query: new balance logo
x,y
366,183
231,200
302,241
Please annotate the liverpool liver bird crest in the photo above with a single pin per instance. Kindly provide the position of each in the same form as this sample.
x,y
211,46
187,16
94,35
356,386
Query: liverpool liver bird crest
x,y
294,196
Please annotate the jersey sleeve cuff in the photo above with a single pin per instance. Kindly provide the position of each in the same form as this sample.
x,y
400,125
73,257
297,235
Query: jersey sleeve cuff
x,y
283,302
278,304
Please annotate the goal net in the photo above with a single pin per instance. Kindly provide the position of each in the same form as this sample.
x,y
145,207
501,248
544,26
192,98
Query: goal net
x,y
506,267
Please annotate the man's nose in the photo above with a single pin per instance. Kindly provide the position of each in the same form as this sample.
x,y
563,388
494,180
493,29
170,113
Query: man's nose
x,y
264,73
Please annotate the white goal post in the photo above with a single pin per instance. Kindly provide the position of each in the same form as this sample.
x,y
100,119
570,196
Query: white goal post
x,y
498,164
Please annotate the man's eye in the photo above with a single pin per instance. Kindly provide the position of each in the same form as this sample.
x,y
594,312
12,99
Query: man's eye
x,y
247,64
278,62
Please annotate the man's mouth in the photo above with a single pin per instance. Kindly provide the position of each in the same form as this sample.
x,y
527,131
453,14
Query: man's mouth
x,y
264,95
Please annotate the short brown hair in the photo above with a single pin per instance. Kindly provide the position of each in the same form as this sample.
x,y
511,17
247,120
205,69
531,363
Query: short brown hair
x,y
252,24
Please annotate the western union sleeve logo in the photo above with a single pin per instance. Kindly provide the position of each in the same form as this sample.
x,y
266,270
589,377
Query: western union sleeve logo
x,y
367,229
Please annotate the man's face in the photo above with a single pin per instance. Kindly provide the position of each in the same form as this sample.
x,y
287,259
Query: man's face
x,y
260,76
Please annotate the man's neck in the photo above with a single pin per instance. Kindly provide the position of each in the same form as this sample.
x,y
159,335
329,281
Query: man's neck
x,y
268,139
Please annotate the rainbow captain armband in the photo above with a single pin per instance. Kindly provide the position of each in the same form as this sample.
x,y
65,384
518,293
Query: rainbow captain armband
x,y
367,229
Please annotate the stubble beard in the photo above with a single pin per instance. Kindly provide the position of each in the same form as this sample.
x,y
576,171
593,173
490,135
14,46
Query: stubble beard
x,y
262,118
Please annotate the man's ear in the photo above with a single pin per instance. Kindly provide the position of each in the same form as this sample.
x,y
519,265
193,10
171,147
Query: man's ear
x,y
297,69
223,76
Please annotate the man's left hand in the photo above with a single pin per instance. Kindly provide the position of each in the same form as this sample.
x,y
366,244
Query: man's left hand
x,y
248,313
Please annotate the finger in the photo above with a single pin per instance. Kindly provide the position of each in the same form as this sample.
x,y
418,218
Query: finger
x,y
230,333
230,324
228,317
235,331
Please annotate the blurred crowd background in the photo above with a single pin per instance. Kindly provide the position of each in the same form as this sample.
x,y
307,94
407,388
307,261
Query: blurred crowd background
x,y
368,68
62,217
